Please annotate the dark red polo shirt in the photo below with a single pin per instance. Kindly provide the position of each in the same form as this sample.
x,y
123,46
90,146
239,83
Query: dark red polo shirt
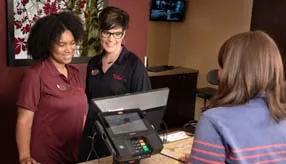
x,y
59,105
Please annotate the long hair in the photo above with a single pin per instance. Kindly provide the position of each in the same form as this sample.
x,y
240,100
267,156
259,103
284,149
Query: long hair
x,y
251,65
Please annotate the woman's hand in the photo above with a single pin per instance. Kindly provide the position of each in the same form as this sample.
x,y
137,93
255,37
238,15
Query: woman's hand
x,y
29,160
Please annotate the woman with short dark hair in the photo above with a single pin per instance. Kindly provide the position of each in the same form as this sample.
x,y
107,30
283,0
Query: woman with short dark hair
x,y
52,105
116,70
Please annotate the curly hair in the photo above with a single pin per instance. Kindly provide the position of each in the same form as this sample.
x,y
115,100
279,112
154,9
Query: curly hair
x,y
48,29
111,17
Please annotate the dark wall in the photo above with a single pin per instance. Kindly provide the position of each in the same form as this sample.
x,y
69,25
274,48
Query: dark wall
x,y
136,41
269,16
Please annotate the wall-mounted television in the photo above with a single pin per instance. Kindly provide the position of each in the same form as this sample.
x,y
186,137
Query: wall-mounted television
x,y
167,10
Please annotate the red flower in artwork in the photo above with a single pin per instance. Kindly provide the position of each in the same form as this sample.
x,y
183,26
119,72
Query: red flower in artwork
x,y
50,8
24,2
26,29
18,24
81,3
35,18
20,45
26,12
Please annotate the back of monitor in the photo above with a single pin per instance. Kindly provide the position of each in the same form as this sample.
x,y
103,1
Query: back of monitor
x,y
142,100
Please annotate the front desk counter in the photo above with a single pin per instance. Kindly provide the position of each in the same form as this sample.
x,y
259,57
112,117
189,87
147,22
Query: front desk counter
x,y
182,83
169,154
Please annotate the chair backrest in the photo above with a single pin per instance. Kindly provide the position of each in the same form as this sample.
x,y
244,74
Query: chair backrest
x,y
212,77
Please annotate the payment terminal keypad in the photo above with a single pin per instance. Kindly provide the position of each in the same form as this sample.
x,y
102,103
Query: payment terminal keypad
x,y
140,147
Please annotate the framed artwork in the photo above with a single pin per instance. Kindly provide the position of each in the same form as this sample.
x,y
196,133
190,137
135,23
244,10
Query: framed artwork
x,y
22,14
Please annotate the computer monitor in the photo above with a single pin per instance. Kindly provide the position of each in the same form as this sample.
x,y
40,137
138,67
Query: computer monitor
x,y
153,103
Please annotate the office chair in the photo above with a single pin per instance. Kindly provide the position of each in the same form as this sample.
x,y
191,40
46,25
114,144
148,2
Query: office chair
x,y
206,93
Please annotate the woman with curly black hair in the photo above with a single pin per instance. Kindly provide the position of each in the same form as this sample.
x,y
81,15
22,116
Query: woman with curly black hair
x,y
52,105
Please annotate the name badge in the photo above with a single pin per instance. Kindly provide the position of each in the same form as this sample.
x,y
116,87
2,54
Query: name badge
x,y
61,87
94,72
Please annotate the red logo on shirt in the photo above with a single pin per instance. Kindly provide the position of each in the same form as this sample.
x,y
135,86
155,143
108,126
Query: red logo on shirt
x,y
117,77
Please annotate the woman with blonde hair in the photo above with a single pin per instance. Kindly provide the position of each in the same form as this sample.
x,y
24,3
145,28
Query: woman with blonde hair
x,y
246,122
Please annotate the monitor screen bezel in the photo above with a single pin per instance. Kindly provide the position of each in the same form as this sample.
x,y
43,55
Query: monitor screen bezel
x,y
153,103
122,113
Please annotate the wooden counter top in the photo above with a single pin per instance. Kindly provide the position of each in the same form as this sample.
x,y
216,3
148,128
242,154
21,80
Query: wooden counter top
x,y
177,70
171,151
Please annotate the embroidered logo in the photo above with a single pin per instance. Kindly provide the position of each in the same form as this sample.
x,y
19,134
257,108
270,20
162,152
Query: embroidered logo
x,y
94,72
117,77
61,87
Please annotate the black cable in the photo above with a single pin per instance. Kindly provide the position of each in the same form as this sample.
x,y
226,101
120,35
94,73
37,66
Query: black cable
x,y
92,149
165,133
190,126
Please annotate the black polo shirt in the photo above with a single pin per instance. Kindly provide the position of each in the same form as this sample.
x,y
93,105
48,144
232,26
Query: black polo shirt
x,y
126,75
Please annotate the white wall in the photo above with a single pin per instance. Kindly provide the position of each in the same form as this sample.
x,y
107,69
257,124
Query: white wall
x,y
195,42
158,45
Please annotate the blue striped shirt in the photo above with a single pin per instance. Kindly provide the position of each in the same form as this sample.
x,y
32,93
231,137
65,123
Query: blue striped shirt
x,y
239,134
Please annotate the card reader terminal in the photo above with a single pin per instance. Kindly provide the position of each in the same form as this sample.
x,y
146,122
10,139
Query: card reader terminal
x,y
140,146
128,134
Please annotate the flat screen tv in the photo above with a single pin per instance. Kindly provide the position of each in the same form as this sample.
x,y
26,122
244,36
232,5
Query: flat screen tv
x,y
167,10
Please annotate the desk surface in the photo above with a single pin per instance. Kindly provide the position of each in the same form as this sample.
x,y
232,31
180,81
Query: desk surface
x,y
177,70
176,149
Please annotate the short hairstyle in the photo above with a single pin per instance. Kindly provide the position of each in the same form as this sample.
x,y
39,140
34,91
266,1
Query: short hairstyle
x,y
112,17
48,29
251,66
